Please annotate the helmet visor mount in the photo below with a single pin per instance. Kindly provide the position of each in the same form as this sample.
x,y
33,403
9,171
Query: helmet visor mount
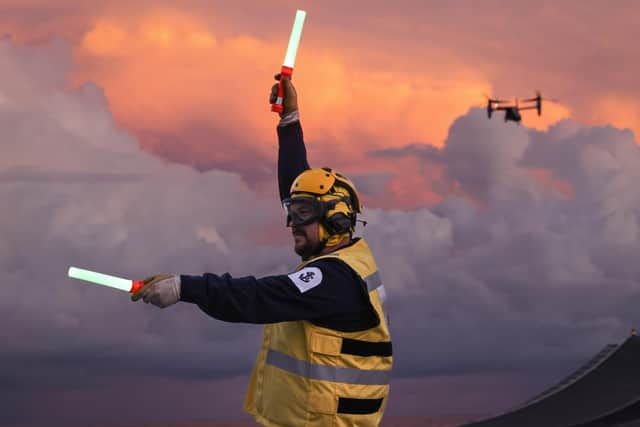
x,y
302,210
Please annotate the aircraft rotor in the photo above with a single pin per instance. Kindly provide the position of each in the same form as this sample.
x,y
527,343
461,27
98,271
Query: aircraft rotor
x,y
538,100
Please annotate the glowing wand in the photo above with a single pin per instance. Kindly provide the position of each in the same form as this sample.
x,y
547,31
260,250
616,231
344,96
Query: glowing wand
x,y
289,58
131,286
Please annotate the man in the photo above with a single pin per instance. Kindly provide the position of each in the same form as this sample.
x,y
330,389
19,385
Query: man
x,y
326,353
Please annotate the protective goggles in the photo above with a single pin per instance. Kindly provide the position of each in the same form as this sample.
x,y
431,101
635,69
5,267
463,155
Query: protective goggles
x,y
303,210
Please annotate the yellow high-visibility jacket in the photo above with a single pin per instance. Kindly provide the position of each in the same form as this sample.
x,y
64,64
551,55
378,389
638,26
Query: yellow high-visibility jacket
x,y
307,375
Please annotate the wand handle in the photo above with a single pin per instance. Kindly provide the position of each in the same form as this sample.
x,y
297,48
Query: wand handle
x,y
277,106
136,285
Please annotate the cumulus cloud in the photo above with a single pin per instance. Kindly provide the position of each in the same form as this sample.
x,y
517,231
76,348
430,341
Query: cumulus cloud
x,y
77,190
531,264
527,263
153,51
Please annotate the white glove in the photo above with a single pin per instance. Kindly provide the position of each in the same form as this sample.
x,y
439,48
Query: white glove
x,y
161,290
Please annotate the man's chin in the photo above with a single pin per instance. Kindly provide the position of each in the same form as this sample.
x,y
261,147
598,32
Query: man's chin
x,y
301,249
306,250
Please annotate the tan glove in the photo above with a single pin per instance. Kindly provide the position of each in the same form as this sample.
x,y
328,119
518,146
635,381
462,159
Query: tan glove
x,y
161,290
290,101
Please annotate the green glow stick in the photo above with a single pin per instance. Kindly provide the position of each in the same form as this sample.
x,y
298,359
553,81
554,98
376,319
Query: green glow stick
x,y
105,280
294,39
289,58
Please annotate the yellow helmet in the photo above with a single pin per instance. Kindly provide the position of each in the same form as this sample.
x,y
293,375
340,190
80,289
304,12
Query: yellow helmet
x,y
332,200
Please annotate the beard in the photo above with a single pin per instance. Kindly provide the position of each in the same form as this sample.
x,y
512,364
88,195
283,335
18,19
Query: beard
x,y
309,248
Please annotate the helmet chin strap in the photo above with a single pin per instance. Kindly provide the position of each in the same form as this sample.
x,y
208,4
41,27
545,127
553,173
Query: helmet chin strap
x,y
324,243
323,237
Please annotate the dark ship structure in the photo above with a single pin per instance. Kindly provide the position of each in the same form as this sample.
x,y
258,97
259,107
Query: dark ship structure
x,y
605,392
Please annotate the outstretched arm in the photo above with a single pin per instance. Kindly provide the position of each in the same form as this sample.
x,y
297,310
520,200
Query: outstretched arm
x,y
327,292
292,154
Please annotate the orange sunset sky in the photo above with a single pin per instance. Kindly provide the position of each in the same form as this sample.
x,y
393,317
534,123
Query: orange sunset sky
x,y
190,79
138,139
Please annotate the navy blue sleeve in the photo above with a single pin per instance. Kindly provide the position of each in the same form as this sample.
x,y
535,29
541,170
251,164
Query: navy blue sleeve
x,y
340,298
292,156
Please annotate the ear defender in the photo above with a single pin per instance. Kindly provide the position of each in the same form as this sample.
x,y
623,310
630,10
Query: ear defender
x,y
340,218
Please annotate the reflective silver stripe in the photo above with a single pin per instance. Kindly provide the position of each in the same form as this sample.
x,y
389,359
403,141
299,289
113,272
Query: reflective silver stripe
x,y
382,294
373,281
327,373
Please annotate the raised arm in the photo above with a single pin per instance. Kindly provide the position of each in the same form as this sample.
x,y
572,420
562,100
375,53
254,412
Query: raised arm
x,y
292,154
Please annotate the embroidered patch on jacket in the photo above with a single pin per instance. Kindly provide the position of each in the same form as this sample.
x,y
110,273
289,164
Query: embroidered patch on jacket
x,y
307,278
